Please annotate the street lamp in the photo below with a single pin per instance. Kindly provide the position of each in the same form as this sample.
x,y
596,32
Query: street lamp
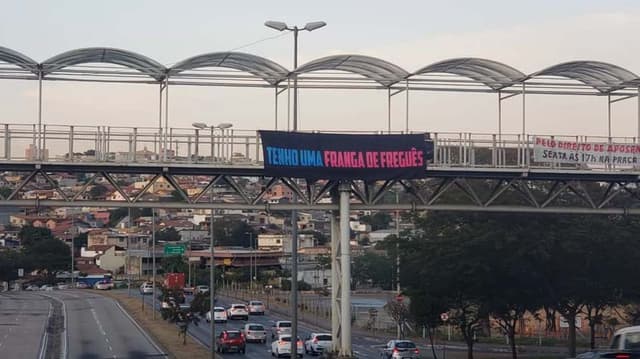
x,y
281,26
222,126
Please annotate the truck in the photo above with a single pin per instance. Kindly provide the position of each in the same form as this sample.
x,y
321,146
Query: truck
x,y
624,345
174,281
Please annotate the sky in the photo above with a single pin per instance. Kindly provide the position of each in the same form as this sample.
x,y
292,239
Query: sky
x,y
528,35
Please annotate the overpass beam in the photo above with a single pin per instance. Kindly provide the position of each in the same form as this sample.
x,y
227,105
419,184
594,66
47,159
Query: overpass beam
x,y
345,259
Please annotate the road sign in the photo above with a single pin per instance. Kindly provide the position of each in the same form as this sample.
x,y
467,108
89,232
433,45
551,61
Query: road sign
x,y
171,249
444,317
20,272
399,298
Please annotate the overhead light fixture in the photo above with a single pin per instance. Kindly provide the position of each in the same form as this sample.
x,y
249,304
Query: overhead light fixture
x,y
310,26
277,25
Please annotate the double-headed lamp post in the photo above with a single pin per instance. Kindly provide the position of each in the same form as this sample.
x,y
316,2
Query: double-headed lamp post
x,y
281,26
212,265
222,126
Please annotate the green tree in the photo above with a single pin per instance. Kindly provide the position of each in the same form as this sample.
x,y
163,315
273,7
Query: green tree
x,y
372,269
181,317
167,235
5,192
10,261
175,264
49,256
29,235
379,220
506,264
98,191
234,233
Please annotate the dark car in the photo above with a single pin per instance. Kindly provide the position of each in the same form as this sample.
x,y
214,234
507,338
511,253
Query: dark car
x,y
231,340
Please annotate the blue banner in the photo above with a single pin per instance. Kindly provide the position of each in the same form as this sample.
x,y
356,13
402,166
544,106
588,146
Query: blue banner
x,y
345,156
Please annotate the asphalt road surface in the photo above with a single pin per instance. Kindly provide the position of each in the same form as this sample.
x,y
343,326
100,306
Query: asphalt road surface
x,y
97,327
365,347
23,320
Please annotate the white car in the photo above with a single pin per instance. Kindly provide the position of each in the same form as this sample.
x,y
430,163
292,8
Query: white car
x,y
255,332
47,287
62,286
219,315
146,288
238,311
280,327
317,343
102,285
256,307
202,289
32,287
282,347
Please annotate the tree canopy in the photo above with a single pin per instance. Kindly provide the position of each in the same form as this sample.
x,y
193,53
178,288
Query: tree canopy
x,y
379,220
473,265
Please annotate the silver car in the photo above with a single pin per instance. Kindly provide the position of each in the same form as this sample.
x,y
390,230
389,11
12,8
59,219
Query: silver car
x,y
256,307
254,332
400,349
317,343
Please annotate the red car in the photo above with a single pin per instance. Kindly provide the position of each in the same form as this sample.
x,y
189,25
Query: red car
x,y
231,340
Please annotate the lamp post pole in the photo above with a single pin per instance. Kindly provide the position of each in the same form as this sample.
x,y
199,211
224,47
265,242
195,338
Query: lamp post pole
x,y
252,261
73,253
212,264
281,26
212,283
153,261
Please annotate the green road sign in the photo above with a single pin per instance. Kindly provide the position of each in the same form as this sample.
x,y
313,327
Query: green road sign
x,y
170,249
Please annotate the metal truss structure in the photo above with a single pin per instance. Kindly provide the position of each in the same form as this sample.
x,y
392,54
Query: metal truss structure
x,y
534,191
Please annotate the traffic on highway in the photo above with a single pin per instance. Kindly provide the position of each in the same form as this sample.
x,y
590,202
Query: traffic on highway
x,y
272,332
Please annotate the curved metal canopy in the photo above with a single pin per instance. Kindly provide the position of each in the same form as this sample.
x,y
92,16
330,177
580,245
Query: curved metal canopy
x,y
493,74
265,69
125,58
15,58
381,71
602,76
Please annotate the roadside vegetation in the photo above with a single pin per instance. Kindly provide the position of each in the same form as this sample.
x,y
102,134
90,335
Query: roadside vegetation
x,y
476,266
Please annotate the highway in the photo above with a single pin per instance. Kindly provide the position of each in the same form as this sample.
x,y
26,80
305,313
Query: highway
x,y
97,327
92,326
365,347
23,320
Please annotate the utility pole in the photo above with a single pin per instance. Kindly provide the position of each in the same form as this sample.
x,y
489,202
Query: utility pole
x,y
153,260
128,259
212,283
73,252
399,329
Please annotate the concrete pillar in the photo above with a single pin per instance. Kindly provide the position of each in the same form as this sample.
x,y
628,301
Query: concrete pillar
x,y
335,282
345,256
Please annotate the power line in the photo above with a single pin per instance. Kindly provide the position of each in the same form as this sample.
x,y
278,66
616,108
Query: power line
x,y
259,41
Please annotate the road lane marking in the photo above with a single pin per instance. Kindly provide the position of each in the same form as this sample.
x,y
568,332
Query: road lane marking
x,y
95,317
